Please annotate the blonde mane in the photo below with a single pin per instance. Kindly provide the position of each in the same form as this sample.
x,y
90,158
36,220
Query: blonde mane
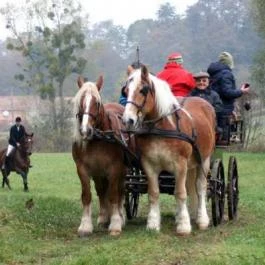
x,y
88,88
166,102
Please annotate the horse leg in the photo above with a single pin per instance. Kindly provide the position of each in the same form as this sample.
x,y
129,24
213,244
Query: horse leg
x,y
201,185
25,180
101,187
182,216
154,218
192,193
117,219
86,227
5,179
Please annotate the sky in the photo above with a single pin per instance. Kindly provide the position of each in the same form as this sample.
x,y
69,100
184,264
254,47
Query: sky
x,y
122,12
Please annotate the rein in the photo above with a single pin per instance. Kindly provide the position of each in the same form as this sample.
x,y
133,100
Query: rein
x,y
150,129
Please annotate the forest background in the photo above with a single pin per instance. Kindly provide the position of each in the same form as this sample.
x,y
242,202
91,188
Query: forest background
x,y
60,43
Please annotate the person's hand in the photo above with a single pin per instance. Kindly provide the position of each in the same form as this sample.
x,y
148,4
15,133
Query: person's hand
x,y
245,88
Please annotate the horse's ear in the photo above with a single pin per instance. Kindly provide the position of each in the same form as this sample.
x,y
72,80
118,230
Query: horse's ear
x,y
130,69
80,81
144,72
99,82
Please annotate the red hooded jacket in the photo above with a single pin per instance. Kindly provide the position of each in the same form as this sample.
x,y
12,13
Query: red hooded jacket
x,y
180,80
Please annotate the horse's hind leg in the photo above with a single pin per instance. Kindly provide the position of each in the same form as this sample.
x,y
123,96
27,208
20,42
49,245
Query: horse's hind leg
x,y
182,217
115,192
201,185
192,193
5,180
86,227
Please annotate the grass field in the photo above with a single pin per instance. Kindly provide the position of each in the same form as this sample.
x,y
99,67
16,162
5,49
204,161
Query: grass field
x,y
47,234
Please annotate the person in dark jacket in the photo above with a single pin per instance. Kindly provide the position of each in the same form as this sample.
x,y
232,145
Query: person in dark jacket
x,y
17,132
180,80
123,96
222,81
203,90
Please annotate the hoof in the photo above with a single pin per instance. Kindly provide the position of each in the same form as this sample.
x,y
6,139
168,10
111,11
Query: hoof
x,y
203,223
183,231
153,228
115,233
84,233
202,226
182,234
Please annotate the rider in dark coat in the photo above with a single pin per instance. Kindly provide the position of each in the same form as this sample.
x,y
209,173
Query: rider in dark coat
x,y
17,132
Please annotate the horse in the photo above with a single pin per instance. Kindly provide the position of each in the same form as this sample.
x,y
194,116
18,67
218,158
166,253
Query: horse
x,y
98,155
20,161
172,137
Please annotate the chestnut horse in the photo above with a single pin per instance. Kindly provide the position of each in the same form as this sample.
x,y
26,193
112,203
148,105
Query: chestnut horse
x,y
20,161
173,138
99,156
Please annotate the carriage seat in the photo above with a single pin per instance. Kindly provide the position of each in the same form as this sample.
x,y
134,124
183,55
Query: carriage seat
x,y
231,133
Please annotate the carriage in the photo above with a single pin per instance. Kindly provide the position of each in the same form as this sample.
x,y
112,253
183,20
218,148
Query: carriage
x,y
219,188
171,135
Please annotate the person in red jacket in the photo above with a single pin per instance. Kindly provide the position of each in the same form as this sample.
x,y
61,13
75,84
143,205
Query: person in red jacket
x,y
180,80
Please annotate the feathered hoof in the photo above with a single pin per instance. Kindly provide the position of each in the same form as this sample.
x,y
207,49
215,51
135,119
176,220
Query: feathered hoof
x,y
183,231
114,233
84,233
202,223
202,226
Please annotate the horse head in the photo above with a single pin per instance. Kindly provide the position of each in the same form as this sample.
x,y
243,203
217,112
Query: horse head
x,y
26,144
148,98
87,107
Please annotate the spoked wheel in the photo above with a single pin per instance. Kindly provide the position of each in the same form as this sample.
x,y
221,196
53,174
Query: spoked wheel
x,y
131,204
232,188
217,189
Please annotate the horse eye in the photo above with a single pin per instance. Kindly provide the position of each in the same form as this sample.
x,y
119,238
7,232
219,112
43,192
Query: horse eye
x,y
144,90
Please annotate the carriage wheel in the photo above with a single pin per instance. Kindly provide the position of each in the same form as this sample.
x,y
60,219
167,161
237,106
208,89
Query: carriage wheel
x,y
232,188
217,189
131,204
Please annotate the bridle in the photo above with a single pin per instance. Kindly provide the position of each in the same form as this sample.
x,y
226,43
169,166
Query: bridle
x,y
144,90
95,117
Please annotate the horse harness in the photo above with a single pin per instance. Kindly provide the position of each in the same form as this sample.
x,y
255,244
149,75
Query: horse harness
x,y
149,128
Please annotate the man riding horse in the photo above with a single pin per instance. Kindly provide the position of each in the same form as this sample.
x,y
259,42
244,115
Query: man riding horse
x,y
17,132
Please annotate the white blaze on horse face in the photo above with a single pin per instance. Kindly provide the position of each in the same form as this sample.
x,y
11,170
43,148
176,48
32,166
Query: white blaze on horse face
x,y
85,126
130,112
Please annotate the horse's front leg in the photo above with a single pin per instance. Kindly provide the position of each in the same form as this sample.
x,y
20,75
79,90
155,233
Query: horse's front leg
x,y
101,186
25,180
182,216
86,226
154,218
116,193
202,219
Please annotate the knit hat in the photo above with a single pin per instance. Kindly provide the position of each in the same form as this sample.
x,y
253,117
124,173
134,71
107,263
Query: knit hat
x,y
175,57
18,119
227,59
200,75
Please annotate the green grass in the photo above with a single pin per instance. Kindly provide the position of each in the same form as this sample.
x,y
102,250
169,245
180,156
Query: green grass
x,y
47,234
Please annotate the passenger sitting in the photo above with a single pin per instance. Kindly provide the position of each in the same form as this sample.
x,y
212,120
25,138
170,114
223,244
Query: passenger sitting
x,y
203,90
123,96
223,82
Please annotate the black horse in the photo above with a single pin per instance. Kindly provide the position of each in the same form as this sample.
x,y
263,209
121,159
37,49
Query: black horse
x,y
19,161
